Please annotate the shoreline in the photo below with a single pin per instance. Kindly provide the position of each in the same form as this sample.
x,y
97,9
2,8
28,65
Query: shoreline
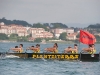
x,y
47,42
6,41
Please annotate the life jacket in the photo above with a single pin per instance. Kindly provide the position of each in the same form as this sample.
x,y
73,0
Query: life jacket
x,y
37,51
56,51
73,52
92,52
20,51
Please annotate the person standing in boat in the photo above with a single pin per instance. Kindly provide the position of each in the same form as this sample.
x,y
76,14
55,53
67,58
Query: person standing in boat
x,y
71,50
91,49
35,49
53,49
18,49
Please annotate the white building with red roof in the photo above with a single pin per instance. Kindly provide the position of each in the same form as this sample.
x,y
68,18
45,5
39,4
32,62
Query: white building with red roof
x,y
13,29
71,36
40,33
58,31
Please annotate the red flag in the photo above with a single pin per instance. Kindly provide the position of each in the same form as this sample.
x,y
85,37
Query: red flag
x,y
86,37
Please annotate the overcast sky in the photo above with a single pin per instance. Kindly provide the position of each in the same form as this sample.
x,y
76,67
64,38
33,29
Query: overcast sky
x,y
70,12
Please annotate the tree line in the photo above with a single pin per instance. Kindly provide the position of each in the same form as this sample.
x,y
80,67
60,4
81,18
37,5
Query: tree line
x,y
13,37
46,26
17,22
94,26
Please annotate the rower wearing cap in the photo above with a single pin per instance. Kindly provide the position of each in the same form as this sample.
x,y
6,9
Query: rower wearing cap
x,y
18,49
53,49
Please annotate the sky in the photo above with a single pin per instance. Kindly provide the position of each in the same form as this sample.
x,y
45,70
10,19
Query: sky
x,y
74,13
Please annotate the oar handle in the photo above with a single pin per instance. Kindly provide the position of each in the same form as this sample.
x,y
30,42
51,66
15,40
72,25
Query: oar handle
x,y
8,51
82,51
26,50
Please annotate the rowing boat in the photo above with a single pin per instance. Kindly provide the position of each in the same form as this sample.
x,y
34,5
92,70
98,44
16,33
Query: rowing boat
x,y
58,56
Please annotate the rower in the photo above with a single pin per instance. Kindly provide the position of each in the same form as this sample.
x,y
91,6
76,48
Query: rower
x,y
53,49
71,50
16,46
68,50
91,49
35,49
75,49
30,48
18,49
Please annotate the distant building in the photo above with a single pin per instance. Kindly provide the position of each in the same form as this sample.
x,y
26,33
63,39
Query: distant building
x,y
3,29
68,30
40,33
71,36
31,39
13,29
2,23
58,31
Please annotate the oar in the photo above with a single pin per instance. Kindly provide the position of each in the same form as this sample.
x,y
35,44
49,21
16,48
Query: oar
x,y
43,56
99,56
80,55
8,51
25,53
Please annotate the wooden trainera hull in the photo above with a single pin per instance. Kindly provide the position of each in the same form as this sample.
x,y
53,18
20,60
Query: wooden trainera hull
x,y
59,56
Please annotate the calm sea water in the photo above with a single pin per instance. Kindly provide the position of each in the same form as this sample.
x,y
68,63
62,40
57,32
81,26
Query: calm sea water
x,y
18,66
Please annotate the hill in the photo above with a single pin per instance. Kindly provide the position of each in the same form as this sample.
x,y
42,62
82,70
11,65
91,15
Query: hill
x,y
18,22
94,26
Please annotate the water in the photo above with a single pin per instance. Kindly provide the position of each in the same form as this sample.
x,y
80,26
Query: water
x,y
21,66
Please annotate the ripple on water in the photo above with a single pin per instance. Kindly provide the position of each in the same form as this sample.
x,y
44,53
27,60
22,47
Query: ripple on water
x,y
18,66
49,67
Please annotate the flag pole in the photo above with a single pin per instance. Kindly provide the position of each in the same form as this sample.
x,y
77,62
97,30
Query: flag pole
x,y
79,47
